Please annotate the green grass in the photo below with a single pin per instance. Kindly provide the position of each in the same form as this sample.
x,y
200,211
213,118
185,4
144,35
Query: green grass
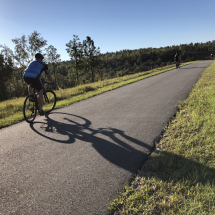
x,y
11,110
184,180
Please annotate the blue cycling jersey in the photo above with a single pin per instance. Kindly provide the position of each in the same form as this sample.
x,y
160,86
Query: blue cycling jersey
x,y
35,69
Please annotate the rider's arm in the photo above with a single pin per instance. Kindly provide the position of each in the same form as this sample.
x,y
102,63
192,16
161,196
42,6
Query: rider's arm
x,y
49,77
47,73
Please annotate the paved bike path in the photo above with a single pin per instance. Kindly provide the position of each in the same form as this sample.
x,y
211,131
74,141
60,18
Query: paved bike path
x,y
74,160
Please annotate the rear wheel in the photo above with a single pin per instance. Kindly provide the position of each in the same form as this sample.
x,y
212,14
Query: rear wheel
x,y
49,101
29,109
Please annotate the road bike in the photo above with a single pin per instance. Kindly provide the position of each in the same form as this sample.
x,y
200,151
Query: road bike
x,y
31,103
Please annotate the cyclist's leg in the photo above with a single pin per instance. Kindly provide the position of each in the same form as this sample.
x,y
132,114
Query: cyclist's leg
x,y
30,90
40,100
30,82
39,87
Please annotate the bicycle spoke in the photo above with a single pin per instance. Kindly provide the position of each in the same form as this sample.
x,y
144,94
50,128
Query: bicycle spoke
x,y
49,101
29,110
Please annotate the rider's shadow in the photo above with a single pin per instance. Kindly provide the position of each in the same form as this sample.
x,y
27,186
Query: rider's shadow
x,y
113,144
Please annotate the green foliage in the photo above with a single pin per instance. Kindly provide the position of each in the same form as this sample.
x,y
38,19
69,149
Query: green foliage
x,y
26,48
85,60
87,65
6,70
91,54
24,51
52,58
75,51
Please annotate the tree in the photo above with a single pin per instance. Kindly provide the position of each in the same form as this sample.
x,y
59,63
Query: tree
x,y
52,57
24,52
213,44
36,43
91,54
6,70
26,48
75,51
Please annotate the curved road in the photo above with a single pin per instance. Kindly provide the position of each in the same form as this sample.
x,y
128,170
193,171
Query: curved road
x,y
74,160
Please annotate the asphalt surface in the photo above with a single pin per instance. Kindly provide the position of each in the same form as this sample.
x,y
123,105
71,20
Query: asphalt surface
x,y
74,160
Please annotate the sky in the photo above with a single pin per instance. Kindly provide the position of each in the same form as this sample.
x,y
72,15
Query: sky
x,y
114,25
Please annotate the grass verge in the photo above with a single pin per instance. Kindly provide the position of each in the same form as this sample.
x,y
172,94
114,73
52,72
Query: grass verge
x,y
184,170
11,110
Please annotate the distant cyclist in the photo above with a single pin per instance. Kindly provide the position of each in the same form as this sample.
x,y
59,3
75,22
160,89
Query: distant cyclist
x,y
32,77
177,58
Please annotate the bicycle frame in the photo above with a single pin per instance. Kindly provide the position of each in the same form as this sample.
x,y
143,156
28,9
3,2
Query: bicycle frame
x,y
30,109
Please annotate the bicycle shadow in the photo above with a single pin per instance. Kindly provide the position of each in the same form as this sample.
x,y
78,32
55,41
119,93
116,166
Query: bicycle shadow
x,y
113,144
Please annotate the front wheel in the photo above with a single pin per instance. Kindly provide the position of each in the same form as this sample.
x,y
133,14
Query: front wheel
x,y
49,101
29,109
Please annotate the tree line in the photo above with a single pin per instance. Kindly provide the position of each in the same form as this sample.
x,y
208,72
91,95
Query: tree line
x,y
83,60
86,64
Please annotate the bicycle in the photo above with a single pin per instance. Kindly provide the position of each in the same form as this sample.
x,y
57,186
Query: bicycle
x,y
177,65
31,103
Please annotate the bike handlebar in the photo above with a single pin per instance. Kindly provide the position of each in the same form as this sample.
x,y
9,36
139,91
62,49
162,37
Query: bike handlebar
x,y
47,82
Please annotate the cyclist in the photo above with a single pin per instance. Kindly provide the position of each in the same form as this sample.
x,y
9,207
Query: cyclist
x,y
32,78
177,57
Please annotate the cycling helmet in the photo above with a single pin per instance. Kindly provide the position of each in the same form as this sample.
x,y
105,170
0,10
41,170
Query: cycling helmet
x,y
39,56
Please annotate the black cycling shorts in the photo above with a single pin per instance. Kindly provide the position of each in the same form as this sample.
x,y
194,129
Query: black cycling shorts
x,y
35,83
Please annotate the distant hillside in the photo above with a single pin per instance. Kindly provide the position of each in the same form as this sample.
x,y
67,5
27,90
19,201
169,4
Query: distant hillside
x,y
119,63
103,66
